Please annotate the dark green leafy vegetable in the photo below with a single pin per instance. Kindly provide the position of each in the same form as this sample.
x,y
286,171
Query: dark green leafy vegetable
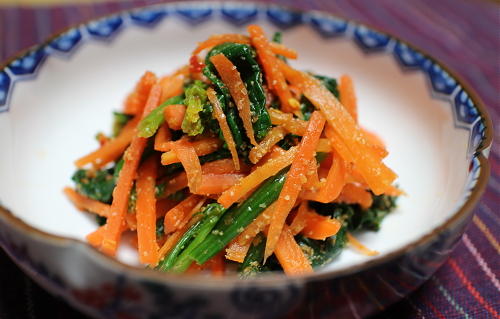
x,y
372,218
237,218
119,121
195,101
150,124
101,220
243,57
97,185
321,252
213,213
210,216
160,228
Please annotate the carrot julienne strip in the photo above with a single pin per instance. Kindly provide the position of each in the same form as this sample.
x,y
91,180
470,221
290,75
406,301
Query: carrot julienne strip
x,y
226,131
232,79
111,150
359,246
255,178
290,255
85,203
174,115
162,138
335,182
113,226
217,183
146,211
202,147
275,135
186,153
294,180
269,61
348,96
134,104
378,176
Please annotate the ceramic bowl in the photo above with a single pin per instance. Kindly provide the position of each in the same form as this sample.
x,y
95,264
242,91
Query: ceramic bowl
x,y
56,96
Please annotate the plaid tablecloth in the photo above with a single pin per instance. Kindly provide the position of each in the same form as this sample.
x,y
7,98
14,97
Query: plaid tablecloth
x,y
463,34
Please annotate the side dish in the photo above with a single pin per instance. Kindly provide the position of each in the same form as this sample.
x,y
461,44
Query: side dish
x,y
236,162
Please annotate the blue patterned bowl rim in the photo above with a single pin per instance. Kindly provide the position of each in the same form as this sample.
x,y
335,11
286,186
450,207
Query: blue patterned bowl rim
x,y
469,112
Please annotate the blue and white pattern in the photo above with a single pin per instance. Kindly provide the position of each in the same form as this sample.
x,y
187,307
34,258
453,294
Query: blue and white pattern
x,y
442,84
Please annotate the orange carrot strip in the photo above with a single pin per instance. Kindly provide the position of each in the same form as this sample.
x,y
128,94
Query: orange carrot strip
x,y
226,131
162,138
174,217
84,203
170,242
353,194
291,124
146,212
121,192
112,150
294,180
186,153
202,147
217,183
394,191
275,152
335,182
135,102
378,176
217,39
360,247
320,227
312,182
236,251
348,96
163,206
324,146
256,226
232,79
173,85
275,135
102,138
290,255
300,220
174,115
376,142
255,178
191,217
276,79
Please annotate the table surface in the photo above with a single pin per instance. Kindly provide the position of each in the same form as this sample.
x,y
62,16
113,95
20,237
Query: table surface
x,y
463,34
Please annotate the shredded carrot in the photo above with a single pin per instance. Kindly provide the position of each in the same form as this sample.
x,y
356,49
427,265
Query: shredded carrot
x,y
335,182
217,183
275,152
146,211
300,219
376,142
348,96
84,203
113,227
174,217
173,85
275,135
378,176
163,206
112,150
319,227
232,79
255,178
217,265
287,121
258,225
324,146
95,237
294,180
312,182
135,102
237,252
290,255
174,115
202,147
162,138
217,39
226,132
360,247
354,194
170,242
186,153
191,216
276,79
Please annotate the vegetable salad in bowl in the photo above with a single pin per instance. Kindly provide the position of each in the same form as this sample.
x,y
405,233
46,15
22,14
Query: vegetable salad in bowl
x,y
236,162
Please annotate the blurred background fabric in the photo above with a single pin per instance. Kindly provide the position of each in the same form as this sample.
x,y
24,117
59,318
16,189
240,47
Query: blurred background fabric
x,y
464,35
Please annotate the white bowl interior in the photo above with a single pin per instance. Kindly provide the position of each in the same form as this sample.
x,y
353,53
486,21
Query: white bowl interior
x,y
53,120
